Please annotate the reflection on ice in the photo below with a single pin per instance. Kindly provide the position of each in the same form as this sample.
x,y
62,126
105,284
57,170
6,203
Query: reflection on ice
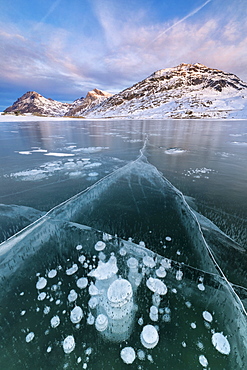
x,y
155,295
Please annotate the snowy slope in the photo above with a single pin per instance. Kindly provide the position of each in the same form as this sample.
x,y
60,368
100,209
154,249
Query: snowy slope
x,y
185,91
93,99
32,102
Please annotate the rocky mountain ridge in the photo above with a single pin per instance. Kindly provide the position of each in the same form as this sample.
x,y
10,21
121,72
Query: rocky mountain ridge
x,y
185,91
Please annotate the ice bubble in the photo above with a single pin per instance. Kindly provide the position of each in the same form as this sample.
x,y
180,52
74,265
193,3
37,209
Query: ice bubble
x,y
174,290
23,312
90,319
72,269
148,261
88,351
49,349
156,299
161,272
188,304
201,287
132,263
207,316
101,322
79,360
200,345
149,336
141,354
41,283
55,321
93,174
72,295
167,310
166,263
76,315
153,313
81,259
52,273
140,321
84,365
82,282
69,344
119,293
221,343
203,361
78,247
168,238
22,293
100,246
46,310
156,286
150,358
179,275
41,296
142,244
184,344
122,252
102,256
193,325
93,302
128,355
29,337
93,290
166,317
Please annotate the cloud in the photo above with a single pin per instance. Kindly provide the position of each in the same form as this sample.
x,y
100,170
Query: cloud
x,y
58,62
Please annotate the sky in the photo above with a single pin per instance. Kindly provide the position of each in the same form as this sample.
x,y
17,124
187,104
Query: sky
x,y
64,48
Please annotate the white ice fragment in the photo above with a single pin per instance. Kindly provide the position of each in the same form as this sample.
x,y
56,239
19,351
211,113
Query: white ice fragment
x,y
72,295
29,337
221,343
52,273
142,244
22,293
128,355
100,246
101,322
161,272
149,261
207,316
55,321
41,283
82,259
78,247
179,275
106,237
23,312
88,351
76,315
150,358
69,344
174,290
188,304
156,286
93,290
203,361
41,296
48,350
82,282
149,336
72,269
201,287
105,270
79,360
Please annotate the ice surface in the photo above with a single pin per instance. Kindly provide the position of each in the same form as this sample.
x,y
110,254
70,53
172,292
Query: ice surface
x,y
191,326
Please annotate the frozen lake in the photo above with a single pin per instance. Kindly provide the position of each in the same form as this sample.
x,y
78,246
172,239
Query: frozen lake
x,y
44,163
123,264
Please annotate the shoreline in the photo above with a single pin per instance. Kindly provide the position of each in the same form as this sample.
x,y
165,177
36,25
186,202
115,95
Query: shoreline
x,y
5,118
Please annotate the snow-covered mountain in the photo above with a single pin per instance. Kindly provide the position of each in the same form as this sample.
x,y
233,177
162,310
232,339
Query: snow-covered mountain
x,y
93,99
32,102
185,91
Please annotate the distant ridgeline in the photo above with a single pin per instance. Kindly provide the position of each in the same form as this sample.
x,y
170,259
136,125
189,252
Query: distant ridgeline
x,y
185,91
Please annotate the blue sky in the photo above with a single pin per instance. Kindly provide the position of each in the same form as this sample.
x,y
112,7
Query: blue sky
x,y
64,48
